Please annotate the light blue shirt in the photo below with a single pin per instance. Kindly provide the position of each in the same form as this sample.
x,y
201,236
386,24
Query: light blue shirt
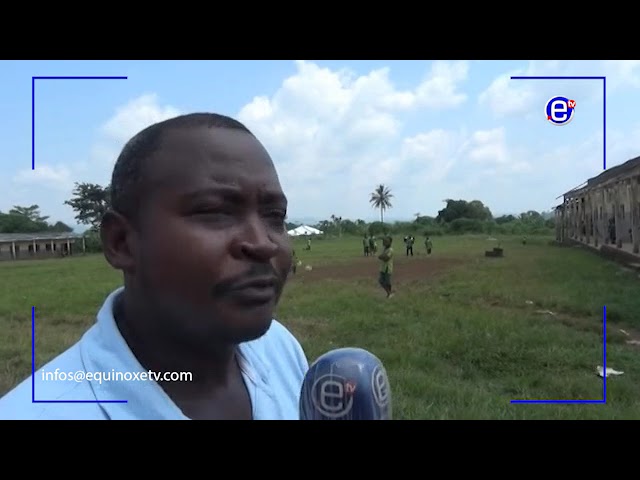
x,y
273,369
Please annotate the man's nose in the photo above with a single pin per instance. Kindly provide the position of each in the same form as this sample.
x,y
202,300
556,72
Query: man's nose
x,y
255,241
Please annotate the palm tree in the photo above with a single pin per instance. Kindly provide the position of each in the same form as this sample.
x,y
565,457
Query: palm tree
x,y
381,198
337,221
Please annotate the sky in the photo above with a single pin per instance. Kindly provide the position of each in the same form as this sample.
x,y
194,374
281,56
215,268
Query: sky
x,y
429,130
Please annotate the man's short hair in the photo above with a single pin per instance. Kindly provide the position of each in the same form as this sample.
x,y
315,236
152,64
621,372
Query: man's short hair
x,y
127,180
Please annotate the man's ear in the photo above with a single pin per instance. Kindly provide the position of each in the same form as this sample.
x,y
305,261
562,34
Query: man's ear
x,y
118,242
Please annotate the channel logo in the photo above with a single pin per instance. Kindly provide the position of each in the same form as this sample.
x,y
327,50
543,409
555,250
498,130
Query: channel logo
x,y
560,110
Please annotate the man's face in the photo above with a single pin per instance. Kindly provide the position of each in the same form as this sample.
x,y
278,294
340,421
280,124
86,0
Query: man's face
x,y
213,220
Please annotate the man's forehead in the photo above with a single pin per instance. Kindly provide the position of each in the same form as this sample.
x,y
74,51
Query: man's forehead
x,y
214,143
208,157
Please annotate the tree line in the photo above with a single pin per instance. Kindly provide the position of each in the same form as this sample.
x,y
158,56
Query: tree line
x,y
29,220
90,201
457,217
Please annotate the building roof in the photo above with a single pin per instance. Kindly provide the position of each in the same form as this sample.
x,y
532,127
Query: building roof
x,y
28,237
608,174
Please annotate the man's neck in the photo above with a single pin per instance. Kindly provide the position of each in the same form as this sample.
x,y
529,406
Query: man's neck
x,y
160,353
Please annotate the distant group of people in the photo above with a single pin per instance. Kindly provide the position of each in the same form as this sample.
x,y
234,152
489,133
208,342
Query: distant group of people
x,y
370,247
409,240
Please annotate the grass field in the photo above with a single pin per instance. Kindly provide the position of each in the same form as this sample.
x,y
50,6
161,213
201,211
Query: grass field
x,y
462,337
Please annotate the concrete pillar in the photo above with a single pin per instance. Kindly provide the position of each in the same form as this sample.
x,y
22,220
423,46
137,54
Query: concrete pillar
x,y
68,247
588,223
584,229
628,213
13,250
569,218
574,218
603,216
583,217
610,210
593,201
576,202
635,213
593,217
617,195
579,209
84,246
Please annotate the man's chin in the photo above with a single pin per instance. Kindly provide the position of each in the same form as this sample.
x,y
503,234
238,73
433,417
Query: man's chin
x,y
241,333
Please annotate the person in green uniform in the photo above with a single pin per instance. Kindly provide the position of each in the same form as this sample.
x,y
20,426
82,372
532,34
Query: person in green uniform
x,y
294,263
386,267
365,245
408,243
428,244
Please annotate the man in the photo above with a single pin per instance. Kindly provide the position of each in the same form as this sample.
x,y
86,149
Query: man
x,y
386,267
428,244
365,245
409,240
197,228
294,262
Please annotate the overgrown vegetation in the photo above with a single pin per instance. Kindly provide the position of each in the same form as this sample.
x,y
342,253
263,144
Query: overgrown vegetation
x,y
462,337
90,201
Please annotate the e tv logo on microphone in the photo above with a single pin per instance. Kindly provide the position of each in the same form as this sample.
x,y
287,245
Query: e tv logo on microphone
x,y
560,110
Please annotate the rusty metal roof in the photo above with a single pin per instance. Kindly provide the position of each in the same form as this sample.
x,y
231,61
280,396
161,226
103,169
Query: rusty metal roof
x,y
28,237
607,175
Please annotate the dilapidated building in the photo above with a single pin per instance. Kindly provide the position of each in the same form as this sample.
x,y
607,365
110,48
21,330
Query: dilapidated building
x,y
605,211
22,246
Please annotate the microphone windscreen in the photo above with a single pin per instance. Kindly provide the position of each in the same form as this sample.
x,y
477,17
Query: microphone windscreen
x,y
346,384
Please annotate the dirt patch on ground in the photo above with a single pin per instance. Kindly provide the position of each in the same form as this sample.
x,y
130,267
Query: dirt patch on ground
x,y
405,269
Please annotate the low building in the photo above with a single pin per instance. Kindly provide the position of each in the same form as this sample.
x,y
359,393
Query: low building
x,y
605,211
23,246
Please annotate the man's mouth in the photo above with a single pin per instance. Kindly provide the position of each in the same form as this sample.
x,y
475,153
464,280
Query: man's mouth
x,y
257,290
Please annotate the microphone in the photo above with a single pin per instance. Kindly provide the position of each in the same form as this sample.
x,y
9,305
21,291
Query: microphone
x,y
346,384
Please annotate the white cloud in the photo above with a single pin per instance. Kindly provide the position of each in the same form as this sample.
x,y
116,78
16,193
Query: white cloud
x,y
50,185
489,146
430,155
510,97
316,105
126,121
329,162
440,88
336,131
55,177
506,97
135,116
335,135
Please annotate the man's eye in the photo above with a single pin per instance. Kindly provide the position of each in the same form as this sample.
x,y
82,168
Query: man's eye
x,y
208,210
277,216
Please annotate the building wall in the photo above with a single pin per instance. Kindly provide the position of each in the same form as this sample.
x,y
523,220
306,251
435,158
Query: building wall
x,y
606,214
43,249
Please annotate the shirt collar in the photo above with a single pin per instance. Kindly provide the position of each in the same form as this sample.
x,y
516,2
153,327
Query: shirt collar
x,y
104,350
